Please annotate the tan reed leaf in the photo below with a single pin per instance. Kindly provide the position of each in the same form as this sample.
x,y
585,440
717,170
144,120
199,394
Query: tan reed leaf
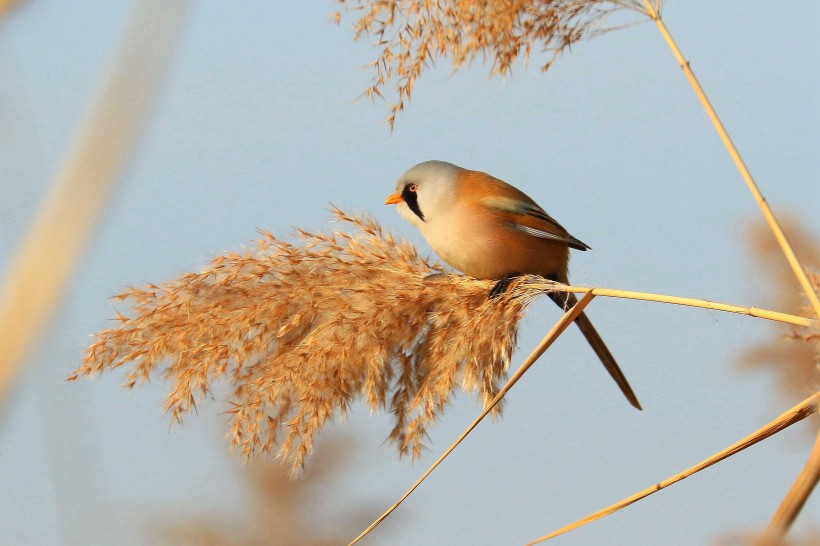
x,y
411,34
302,330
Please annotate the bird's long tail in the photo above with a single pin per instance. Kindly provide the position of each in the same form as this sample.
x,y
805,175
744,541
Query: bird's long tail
x,y
565,300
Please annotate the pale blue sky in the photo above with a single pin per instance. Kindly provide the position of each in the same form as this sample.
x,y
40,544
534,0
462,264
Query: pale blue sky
x,y
258,127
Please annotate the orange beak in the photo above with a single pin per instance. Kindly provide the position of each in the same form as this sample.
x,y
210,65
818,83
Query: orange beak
x,y
393,199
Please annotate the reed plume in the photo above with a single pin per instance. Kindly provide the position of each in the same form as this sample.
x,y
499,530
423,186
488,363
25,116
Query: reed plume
x,y
792,354
412,35
302,330
280,510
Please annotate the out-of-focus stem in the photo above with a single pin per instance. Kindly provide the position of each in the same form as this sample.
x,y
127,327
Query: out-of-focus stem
x,y
56,240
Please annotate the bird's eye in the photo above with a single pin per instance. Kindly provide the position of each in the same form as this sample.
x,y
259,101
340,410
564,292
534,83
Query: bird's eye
x,y
413,187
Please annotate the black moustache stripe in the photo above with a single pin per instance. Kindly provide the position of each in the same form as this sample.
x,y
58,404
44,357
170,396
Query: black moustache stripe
x,y
412,200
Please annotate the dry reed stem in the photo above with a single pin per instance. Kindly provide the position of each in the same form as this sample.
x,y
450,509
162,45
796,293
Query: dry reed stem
x,y
785,420
807,480
559,328
54,243
794,500
785,246
301,331
771,220
692,302
412,35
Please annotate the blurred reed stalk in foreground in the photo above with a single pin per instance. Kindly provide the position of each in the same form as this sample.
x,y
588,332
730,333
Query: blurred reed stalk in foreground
x,y
45,260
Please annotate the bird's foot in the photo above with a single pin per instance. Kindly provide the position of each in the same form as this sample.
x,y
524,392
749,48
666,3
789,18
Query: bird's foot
x,y
501,286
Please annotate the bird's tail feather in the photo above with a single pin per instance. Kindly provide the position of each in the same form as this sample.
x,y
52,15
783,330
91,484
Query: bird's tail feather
x,y
567,300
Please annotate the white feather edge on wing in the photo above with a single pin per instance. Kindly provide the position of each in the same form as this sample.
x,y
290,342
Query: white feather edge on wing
x,y
508,204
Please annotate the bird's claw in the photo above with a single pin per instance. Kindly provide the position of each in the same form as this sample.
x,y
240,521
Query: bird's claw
x,y
501,286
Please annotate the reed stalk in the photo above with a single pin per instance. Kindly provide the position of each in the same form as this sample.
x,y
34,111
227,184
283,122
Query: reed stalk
x,y
802,488
559,328
794,500
799,412
693,302
533,283
788,252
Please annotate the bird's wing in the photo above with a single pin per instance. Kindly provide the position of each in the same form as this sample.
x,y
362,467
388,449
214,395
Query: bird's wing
x,y
526,216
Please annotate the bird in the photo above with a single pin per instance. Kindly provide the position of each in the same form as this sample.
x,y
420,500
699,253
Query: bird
x,y
489,229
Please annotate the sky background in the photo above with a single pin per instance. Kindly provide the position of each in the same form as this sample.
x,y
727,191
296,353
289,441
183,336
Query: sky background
x,y
258,127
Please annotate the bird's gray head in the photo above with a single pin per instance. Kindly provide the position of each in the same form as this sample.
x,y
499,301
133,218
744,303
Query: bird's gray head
x,y
425,190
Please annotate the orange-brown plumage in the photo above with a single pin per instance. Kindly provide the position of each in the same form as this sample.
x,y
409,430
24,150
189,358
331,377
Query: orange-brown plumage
x,y
497,248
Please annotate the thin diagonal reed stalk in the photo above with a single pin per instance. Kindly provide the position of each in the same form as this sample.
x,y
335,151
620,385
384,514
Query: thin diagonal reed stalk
x,y
787,419
559,328
808,478
794,500
536,283
791,505
798,269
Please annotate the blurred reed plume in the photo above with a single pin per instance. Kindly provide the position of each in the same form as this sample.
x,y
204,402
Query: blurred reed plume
x,y
412,34
793,354
301,331
280,510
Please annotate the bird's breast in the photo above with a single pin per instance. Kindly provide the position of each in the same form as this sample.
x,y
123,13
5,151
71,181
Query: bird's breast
x,y
484,247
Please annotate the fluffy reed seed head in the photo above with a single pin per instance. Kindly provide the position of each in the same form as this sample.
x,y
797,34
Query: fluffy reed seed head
x,y
412,34
792,354
301,330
